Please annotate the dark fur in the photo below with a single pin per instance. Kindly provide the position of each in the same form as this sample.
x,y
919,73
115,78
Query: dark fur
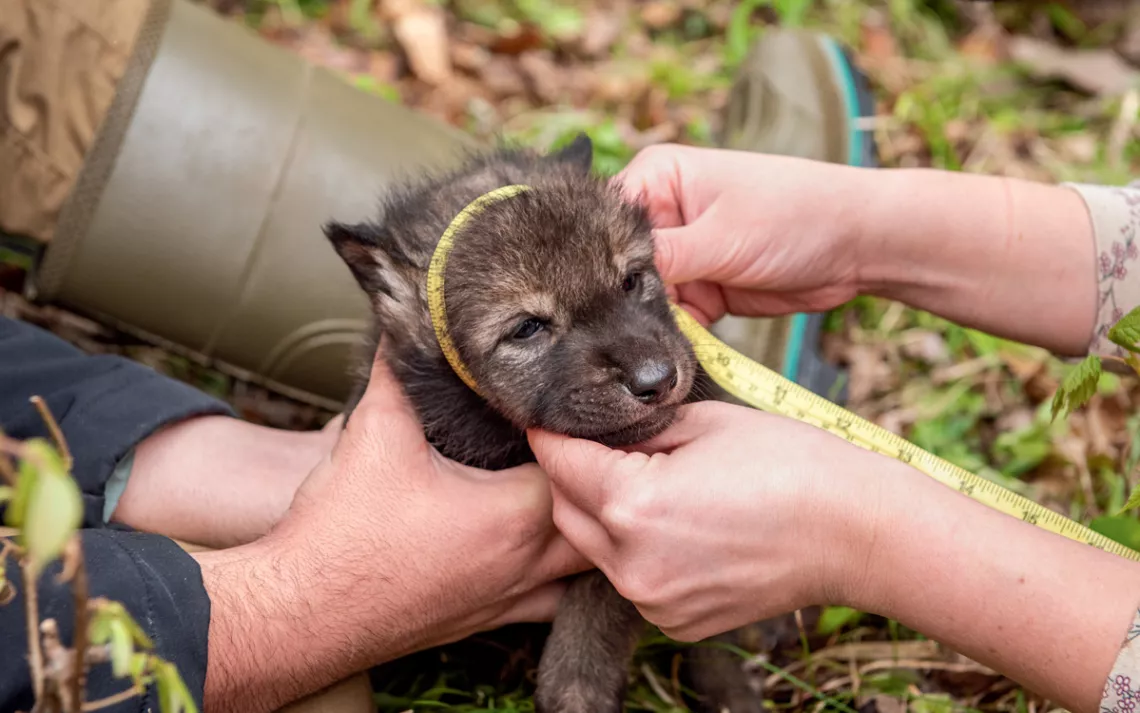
x,y
563,253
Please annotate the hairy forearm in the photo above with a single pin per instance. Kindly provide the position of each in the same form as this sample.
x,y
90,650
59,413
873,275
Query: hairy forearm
x,y
1009,257
216,481
1046,611
283,627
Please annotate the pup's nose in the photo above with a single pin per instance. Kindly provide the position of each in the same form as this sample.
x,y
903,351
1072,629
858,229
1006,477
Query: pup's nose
x,y
651,380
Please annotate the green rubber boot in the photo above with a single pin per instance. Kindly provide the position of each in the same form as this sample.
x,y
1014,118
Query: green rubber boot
x,y
196,220
797,93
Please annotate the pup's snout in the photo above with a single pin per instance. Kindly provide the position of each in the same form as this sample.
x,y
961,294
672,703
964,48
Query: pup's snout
x,y
651,380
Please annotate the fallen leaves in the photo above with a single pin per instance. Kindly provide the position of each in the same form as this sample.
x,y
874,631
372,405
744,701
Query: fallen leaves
x,y
422,33
1101,71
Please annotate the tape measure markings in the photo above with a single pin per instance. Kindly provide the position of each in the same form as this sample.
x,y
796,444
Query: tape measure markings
x,y
763,388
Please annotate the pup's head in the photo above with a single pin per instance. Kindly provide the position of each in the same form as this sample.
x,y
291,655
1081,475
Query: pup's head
x,y
553,300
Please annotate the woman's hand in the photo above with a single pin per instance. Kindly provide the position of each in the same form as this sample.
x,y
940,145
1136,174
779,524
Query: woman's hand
x,y
733,516
757,235
749,234
729,517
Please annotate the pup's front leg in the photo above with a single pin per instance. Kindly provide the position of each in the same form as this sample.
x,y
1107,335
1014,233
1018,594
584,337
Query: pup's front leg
x,y
585,663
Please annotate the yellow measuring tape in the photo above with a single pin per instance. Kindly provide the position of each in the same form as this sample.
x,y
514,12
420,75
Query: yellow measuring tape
x,y
763,388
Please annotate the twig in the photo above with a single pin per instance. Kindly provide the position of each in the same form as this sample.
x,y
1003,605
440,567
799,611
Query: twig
x,y
8,446
1122,128
7,591
32,612
656,686
55,430
112,700
78,579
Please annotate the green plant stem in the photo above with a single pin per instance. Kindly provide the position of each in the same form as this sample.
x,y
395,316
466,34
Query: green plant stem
x,y
32,613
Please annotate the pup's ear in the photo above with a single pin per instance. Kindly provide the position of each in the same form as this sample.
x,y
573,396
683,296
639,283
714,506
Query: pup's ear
x,y
579,153
360,247
381,267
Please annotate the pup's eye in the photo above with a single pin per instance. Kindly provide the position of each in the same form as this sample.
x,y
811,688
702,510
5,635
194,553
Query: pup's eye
x,y
631,281
528,328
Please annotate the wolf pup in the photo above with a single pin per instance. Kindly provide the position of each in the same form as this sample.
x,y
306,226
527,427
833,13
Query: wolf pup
x,y
556,312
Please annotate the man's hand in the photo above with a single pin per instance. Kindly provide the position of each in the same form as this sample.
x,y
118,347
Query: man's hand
x,y
388,548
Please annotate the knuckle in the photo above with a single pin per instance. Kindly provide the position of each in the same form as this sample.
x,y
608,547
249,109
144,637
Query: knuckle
x,y
638,586
632,504
681,632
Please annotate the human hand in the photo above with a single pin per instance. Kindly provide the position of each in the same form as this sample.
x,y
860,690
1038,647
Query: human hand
x,y
475,549
749,234
388,548
729,517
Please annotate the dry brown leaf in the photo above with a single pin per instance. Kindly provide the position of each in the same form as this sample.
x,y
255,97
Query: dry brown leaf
x,y
600,33
986,44
659,14
502,77
925,346
869,371
1101,72
468,56
421,31
882,703
542,75
1128,44
317,45
875,33
651,108
526,37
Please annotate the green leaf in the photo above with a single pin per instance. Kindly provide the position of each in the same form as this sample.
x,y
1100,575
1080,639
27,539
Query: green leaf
x,y
121,648
139,666
1077,387
54,505
173,696
1133,501
932,703
25,482
1120,528
6,493
1126,332
739,33
107,612
832,619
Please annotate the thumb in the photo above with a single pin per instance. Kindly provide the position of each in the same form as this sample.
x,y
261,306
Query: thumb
x,y
385,406
693,252
583,471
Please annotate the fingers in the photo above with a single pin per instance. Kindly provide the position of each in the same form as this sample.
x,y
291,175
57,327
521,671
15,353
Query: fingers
x,y
653,178
704,300
560,559
582,530
536,606
384,409
581,470
693,422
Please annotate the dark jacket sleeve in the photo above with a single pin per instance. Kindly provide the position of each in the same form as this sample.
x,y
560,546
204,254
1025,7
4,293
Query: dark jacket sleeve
x,y
157,582
104,404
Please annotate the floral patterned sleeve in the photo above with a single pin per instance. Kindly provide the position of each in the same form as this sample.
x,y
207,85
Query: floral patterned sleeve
x,y
1122,687
1115,215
